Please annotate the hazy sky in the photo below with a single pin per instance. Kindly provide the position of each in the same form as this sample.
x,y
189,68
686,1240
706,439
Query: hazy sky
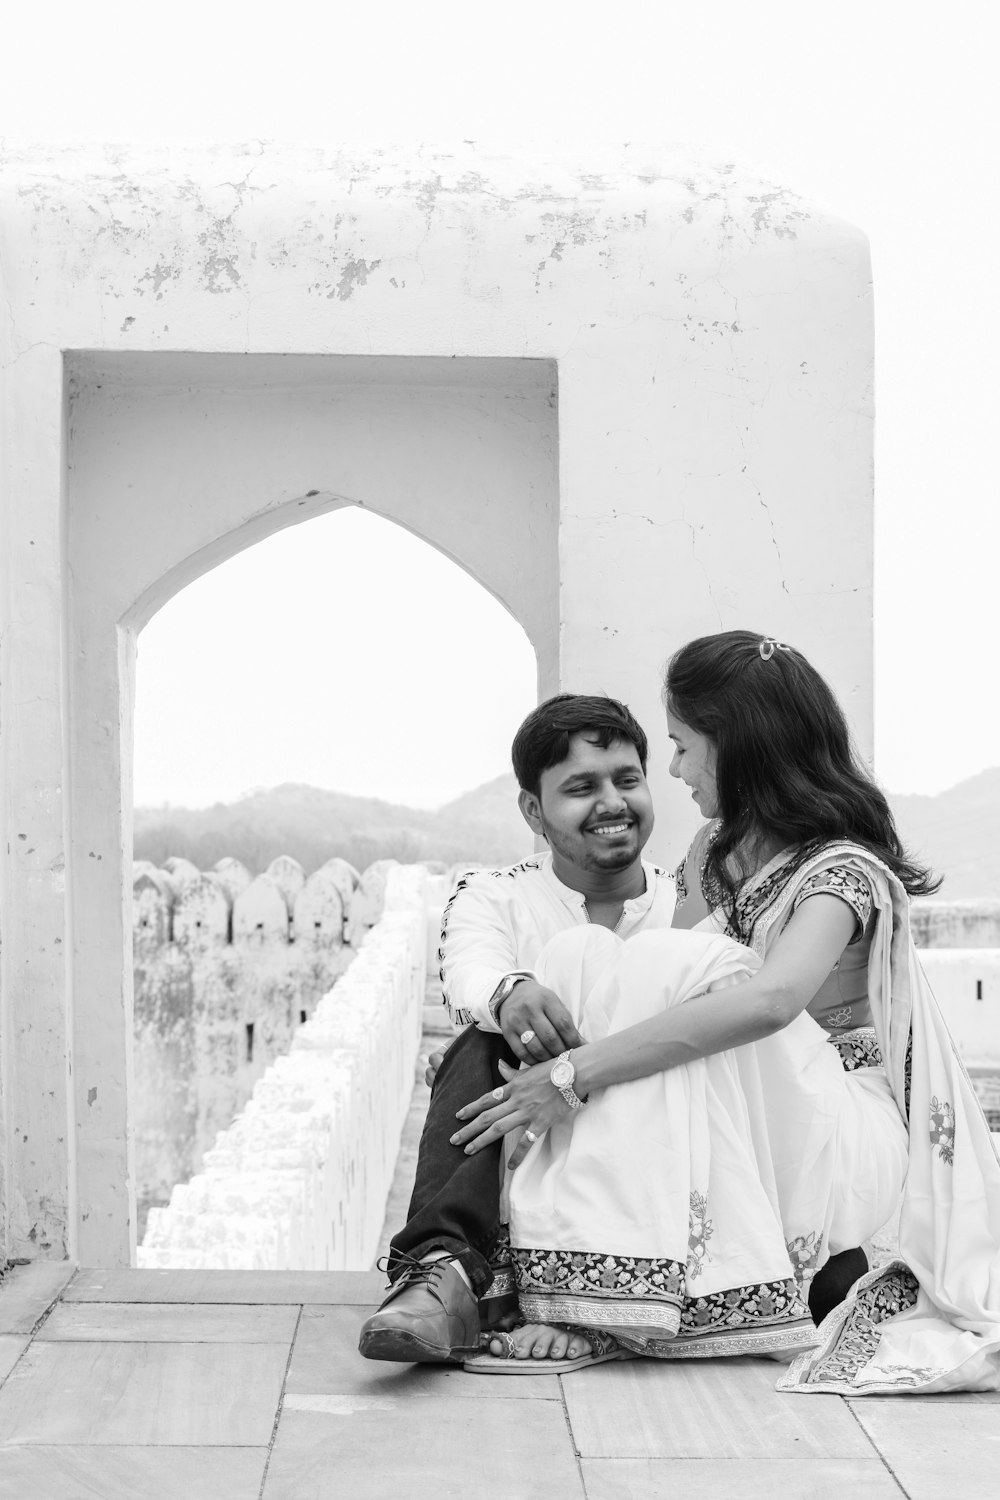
x,y
885,113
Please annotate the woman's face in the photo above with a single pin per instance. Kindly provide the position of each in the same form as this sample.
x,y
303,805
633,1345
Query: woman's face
x,y
694,764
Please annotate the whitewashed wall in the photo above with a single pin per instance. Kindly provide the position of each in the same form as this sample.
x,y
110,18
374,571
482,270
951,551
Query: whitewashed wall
x,y
966,982
301,1177
629,391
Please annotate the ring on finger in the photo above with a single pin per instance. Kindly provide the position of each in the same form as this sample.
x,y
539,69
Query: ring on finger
x,y
498,1094
527,1037
529,1135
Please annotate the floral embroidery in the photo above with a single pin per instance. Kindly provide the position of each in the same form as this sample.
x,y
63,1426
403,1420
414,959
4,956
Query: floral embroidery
x,y
858,1048
842,1017
700,1231
626,1292
912,1374
943,1129
858,1338
767,1302
680,884
579,1272
849,885
680,874
803,1252
755,897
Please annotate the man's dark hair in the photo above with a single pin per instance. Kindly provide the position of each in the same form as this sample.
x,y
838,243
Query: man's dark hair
x,y
543,739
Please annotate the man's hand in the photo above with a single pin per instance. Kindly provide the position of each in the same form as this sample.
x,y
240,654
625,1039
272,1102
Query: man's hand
x,y
531,1007
434,1061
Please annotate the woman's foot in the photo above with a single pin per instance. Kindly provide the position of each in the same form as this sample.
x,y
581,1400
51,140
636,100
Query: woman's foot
x,y
541,1341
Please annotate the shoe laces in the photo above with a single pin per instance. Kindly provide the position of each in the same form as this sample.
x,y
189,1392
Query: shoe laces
x,y
411,1271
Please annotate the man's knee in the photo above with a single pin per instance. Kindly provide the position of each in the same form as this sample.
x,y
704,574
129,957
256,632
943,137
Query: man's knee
x,y
471,1061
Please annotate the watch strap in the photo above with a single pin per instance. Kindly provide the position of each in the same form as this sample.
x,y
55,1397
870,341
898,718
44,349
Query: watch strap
x,y
503,991
566,1089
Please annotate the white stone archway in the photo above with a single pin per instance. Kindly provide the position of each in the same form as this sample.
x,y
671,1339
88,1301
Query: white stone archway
x,y
177,462
172,328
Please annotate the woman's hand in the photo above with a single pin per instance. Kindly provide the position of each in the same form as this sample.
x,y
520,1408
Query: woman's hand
x,y
529,1102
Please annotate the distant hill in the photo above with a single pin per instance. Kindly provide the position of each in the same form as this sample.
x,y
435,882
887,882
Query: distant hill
x,y
312,825
958,834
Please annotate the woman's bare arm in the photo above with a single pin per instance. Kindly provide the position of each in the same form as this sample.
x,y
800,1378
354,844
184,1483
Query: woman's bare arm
x,y
790,976
745,1012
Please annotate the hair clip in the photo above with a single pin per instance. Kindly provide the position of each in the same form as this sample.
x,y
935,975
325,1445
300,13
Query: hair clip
x,y
769,646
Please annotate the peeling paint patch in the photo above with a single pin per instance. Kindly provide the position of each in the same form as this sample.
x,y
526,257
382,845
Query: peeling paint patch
x,y
218,269
156,277
91,1095
354,274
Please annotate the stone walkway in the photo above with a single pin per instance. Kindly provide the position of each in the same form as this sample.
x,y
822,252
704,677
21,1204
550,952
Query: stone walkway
x,y
246,1385
243,1385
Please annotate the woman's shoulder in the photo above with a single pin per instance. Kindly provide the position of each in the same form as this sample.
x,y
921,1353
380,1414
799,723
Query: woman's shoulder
x,y
687,873
700,844
842,869
839,854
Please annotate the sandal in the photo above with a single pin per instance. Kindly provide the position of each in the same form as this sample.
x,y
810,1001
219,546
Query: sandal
x,y
603,1349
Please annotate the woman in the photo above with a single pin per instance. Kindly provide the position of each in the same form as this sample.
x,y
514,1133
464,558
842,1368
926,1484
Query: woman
x,y
726,1150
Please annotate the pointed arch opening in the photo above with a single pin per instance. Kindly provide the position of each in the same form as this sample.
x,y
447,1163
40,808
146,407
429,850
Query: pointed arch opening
x,y
178,462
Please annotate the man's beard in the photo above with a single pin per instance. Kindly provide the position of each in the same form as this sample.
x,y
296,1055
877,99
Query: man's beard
x,y
587,853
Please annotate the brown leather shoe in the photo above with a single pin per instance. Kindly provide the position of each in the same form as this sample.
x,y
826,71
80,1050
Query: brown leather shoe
x,y
429,1317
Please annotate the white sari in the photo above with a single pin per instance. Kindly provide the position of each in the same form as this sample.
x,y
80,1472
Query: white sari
x,y
686,1212
930,1320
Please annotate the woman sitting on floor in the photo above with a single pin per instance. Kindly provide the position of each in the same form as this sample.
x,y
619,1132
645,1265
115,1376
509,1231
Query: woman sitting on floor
x,y
724,1148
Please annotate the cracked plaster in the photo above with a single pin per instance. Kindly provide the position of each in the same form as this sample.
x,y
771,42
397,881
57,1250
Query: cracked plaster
x,y
712,334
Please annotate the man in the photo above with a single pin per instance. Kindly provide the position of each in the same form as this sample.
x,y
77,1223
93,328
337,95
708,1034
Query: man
x,y
580,763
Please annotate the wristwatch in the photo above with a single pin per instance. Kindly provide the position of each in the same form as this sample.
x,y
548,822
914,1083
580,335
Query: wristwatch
x,y
502,991
563,1076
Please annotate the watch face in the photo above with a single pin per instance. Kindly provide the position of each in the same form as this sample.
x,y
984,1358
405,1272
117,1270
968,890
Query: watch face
x,y
563,1073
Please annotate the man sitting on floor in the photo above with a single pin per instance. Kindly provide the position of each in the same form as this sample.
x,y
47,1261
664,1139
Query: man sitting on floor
x,y
580,763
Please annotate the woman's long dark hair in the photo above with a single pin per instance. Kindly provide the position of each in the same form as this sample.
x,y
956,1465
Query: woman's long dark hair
x,y
785,767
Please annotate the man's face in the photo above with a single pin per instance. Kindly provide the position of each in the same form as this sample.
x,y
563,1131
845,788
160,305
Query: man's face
x,y
594,808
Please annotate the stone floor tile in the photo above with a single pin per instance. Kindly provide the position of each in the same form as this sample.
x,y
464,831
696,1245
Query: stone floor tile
x,y
936,1450
326,1361
749,1479
719,1408
103,1473
989,1398
12,1346
169,1322
27,1292
136,1394
134,1285
420,1449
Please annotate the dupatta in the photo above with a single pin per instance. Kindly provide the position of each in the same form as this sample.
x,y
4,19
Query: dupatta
x,y
928,1321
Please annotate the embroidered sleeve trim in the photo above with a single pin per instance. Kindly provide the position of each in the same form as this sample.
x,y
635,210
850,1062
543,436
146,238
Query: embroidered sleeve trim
x,y
458,1015
850,885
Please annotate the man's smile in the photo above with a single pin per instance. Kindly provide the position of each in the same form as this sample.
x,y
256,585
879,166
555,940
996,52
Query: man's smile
x,y
610,830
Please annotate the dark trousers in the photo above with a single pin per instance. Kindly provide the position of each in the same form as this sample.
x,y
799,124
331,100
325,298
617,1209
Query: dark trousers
x,y
834,1280
456,1198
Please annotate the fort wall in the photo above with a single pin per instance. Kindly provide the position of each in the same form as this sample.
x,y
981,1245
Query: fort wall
x,y
301,1176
